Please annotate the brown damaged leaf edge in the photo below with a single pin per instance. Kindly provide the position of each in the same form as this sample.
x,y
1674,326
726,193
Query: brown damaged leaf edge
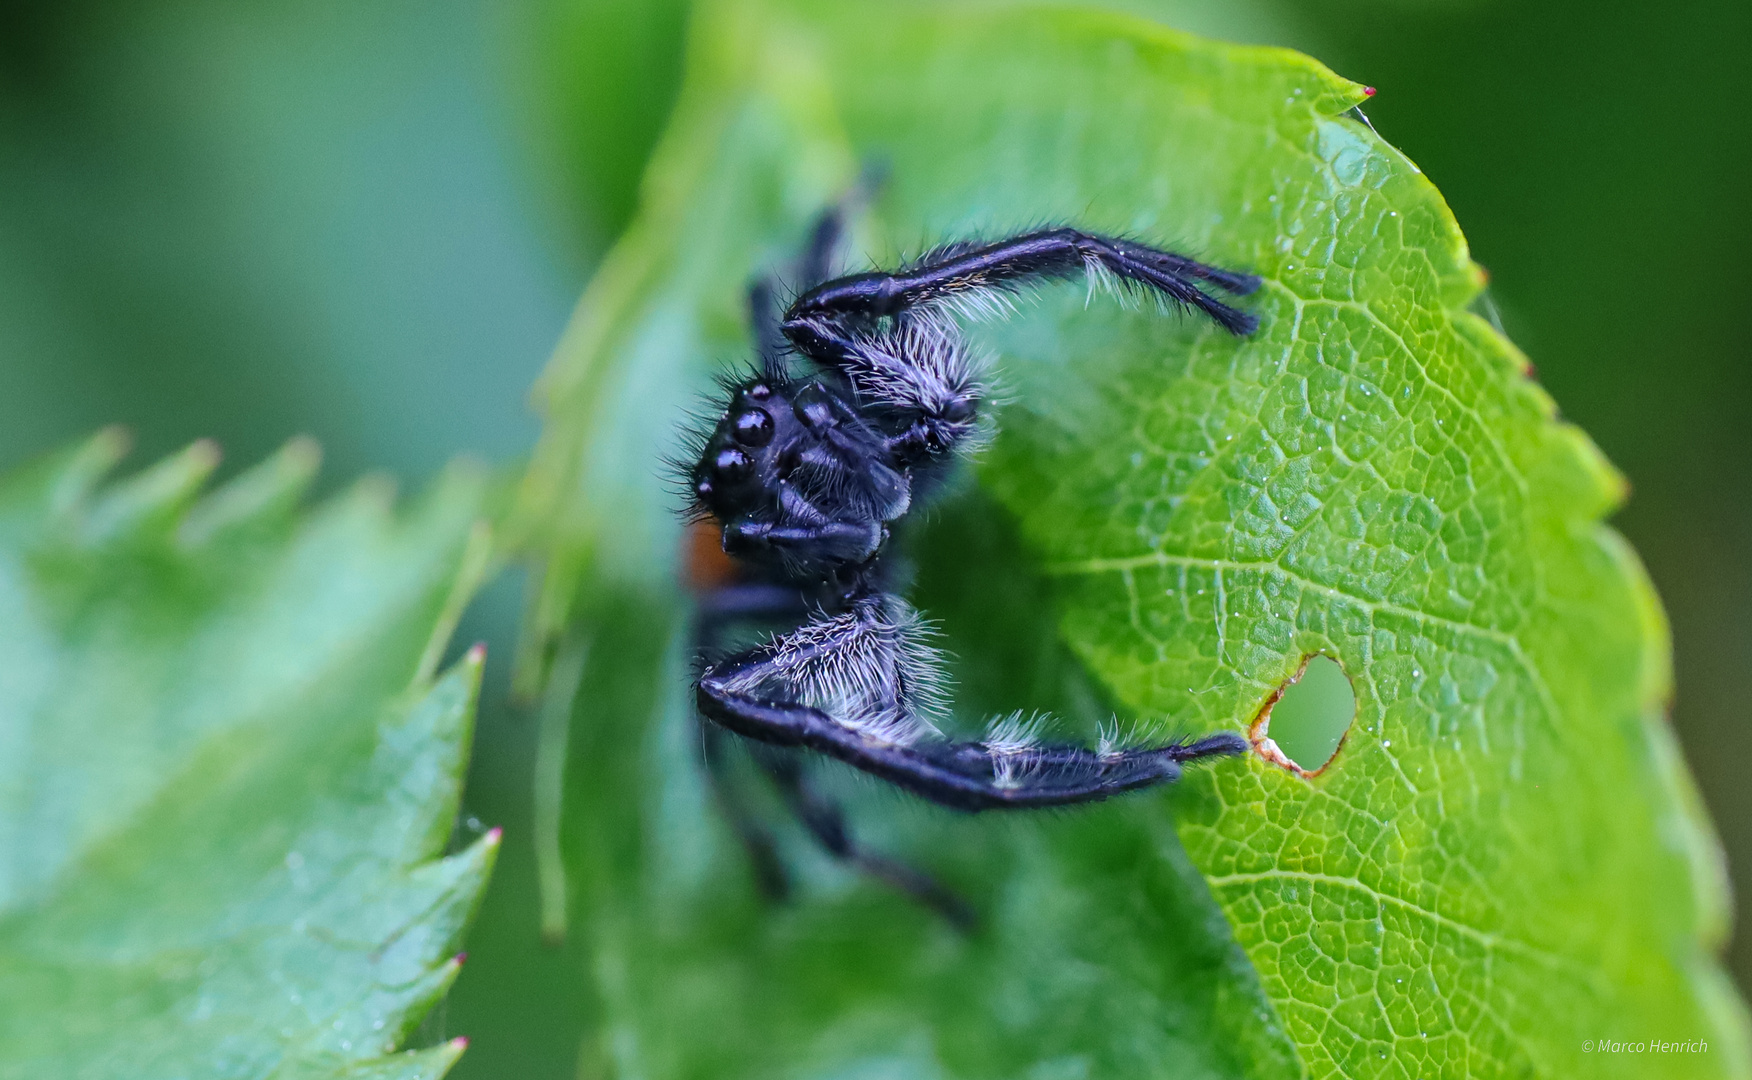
x,y
1258,732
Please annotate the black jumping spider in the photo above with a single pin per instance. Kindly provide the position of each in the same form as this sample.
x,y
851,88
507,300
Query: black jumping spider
x,y
864,393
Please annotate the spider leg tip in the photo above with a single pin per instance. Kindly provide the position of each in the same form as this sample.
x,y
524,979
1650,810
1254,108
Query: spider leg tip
x,y
1220,744
1240,323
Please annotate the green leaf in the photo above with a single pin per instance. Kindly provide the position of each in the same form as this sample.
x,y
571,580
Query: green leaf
x,y
1505,859
226,768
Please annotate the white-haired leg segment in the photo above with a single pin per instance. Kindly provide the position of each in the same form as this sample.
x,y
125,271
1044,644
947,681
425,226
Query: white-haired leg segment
x,y
894,337
860,686
960,775
920,367
871,667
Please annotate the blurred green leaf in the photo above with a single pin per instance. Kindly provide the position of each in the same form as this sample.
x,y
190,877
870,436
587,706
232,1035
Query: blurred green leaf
x,y
226,768
597,80
251,222
1503,861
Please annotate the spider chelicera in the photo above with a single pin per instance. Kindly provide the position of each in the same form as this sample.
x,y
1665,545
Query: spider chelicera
x,y
864,396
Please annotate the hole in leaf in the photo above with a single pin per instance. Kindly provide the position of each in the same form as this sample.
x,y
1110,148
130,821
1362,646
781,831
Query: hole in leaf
x,y
1303,727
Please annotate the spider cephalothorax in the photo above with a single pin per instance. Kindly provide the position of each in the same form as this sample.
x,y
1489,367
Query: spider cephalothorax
x,y
865,393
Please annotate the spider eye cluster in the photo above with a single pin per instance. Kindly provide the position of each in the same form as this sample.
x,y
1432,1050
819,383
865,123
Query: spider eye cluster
x,y
728,473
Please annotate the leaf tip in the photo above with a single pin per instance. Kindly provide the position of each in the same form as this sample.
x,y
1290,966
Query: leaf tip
x,y
70,477
153,500
112,442
270,491
374,493
302,452
204,454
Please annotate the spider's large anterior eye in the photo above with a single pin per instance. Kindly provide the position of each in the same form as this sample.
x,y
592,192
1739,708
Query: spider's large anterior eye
x,y
754,428
731,464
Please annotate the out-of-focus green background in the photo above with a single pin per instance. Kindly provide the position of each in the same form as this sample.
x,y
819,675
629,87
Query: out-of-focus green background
x,y
368,222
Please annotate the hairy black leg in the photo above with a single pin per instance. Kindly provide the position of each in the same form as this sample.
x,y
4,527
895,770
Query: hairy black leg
x,y
716,611
816,265
963,775
763,316
830,229
825,820
820,321
744,602
829,543
770,875
813,267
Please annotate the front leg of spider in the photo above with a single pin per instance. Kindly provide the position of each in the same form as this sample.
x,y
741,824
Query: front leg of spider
x,y
808,470
858,686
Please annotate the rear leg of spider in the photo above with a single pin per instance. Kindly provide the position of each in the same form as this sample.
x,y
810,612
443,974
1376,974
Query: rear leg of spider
x,y
827,235
814,266
825,820
822,818
717,610
771,877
